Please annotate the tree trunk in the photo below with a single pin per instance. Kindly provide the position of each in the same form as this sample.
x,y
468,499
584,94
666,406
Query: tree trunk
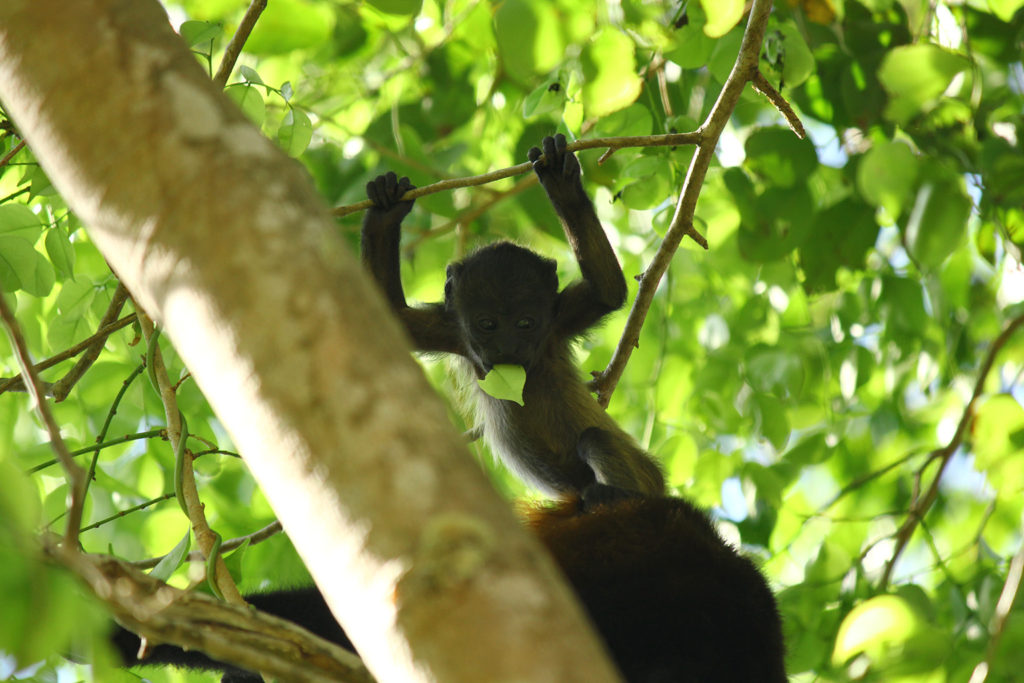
x,y
222,239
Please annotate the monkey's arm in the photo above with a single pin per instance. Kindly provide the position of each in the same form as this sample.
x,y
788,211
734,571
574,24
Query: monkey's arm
x,y
430,327
603,287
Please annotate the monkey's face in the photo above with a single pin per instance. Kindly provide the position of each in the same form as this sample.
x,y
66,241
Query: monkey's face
x,y
504,297
505,333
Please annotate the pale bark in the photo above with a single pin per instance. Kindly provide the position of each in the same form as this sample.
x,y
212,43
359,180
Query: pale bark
x,y
221,238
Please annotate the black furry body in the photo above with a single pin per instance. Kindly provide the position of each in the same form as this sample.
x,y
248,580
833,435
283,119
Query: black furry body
x,y
671,600
502,305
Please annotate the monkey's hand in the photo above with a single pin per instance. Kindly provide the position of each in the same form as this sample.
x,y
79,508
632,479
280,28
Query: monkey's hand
x,y
385,191
558,171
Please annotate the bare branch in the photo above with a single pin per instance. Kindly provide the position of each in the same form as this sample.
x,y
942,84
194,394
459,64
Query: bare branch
x,y
234,48
236,634
16,384
763,86
62,387
207,539
670,140
921,503
74,473
744,70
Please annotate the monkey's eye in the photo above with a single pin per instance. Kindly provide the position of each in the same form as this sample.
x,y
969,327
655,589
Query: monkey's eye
x,y
487,324
525,323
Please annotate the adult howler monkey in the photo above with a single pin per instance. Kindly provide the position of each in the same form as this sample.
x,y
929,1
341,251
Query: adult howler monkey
x,y
671,600
502,306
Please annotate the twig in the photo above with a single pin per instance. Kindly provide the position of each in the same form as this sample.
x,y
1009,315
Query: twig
x,y
255,537
237,634
205,536
670,140
1007,597
60,389
743,71
472,214
921,503
10,155
128,511
234,48
16,384
100,446
763,86
74,473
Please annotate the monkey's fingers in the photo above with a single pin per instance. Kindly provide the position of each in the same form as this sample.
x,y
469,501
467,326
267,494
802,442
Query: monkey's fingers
x,y
534,155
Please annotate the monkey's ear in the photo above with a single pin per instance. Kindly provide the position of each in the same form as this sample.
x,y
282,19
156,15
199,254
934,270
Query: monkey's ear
x,y
451,280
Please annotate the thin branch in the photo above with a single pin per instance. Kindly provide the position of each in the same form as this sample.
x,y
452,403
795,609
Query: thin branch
x,y
614,143
763,86
75,474
236,634
743,71
62,387
10,155
921,503
1007,598
467,217
207,539
124,513
255,537
234,48
16,384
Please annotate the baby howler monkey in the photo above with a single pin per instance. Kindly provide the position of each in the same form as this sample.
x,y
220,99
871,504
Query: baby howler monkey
x,y
502,306
671,600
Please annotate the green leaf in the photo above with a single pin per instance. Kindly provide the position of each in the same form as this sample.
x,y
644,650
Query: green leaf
x,y
544,99
780,157
722,16
399,7
875,625
886,176
529,38
914,76
195,32
609,69
779,222
61,253
250,74
18,219
1005,9
938,222
22,267
505,382
250,100
295,133
798,64
998,430
172,560
288,25
75,297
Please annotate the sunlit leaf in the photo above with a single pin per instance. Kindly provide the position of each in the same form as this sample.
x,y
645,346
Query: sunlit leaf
x,y
249,99
722,15
938,221
505,382
609,69
295,132
914,75
22,267
287,25
886,176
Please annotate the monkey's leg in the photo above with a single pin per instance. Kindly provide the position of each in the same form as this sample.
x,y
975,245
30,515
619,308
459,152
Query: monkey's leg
x,y
618,462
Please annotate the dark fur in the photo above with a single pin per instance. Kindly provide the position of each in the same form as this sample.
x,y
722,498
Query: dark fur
x,y
671,600
502,306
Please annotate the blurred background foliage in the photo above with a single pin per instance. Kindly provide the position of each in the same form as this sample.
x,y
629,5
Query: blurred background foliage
x,y
797,378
